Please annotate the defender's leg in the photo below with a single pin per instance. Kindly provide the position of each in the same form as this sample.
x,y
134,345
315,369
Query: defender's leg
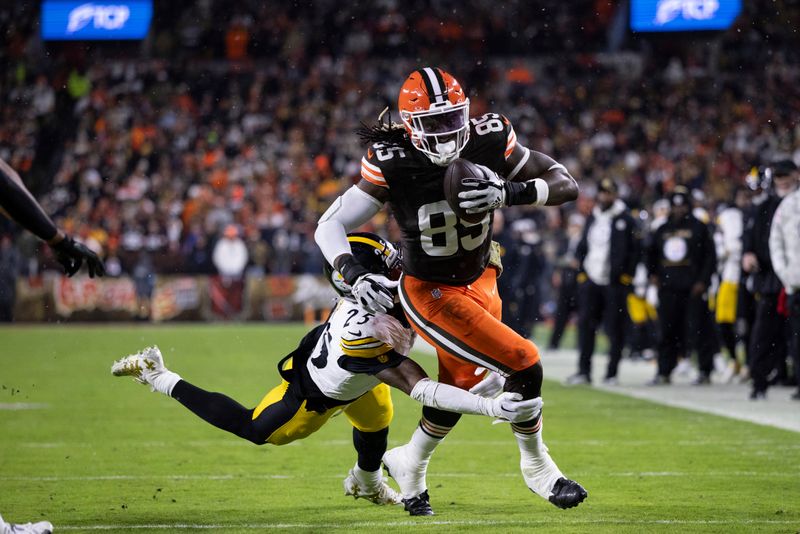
x,y
370,416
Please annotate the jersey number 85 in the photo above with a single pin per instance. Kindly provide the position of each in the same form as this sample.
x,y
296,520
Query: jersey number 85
x,y
439,233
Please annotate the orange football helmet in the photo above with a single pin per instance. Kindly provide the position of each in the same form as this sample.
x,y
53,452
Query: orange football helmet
x,y
435,111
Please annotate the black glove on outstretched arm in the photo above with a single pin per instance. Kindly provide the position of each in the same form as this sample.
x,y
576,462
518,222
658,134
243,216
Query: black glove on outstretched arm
x,y
71,255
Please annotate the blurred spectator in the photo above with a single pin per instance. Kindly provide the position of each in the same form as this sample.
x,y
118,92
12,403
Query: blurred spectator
x,y
230,255
607,254
144,281
728,238
565,279
680,261
784,248
768,343
520,285
644,318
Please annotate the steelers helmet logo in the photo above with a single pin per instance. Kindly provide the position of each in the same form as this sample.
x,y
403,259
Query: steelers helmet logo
x,y
338,282
675,249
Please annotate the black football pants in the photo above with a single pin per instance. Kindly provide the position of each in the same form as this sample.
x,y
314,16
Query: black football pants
x,y
566,304
596,304
767,341
685,322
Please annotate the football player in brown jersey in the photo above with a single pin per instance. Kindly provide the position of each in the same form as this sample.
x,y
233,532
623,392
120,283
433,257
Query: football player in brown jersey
x,y
448,290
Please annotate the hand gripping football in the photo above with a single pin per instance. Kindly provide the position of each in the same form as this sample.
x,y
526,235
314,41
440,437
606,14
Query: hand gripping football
x,y
456,171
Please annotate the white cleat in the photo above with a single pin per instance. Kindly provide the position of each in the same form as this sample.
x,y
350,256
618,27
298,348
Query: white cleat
x,y
409,474
540,472
381,495
42,527
142,366
145,366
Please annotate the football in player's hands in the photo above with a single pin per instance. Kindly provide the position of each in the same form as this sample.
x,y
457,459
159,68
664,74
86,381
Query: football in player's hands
x,y
462,175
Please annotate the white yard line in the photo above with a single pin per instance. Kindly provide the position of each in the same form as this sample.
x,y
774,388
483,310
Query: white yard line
x,y
727,400
15,406
229,477
347,443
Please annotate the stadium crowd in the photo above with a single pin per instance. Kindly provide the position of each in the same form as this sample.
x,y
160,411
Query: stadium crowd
x,y
238,124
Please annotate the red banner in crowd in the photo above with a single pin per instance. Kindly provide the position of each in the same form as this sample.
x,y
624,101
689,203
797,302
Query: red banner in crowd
x,y
88,294
175,296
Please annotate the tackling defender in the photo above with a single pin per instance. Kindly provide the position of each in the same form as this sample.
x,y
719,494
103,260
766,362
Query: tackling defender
x,y
448,289
344,364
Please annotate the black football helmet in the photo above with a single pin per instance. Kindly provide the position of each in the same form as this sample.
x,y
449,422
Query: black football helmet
x,y
377,255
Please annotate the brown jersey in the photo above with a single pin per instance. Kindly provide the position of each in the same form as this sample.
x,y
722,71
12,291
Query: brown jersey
x,y
437,246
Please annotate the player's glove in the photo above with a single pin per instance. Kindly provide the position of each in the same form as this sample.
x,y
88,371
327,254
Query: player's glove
x,y
491,385
372,292
509,407
487,192
71,255
369,289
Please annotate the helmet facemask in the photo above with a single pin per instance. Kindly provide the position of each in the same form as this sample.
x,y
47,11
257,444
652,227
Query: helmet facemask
x,y
441,132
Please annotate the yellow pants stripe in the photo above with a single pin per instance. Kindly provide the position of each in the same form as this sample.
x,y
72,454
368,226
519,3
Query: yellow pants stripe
x,y
727,297
371,412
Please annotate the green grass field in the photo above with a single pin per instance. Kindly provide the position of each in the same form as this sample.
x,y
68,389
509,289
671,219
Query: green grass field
x,y
104,453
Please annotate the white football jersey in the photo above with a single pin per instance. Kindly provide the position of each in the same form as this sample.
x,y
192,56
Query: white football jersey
x,y
354,345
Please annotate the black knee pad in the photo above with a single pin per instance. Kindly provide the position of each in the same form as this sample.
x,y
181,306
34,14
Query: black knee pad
x,y
440,417
370,447
527,382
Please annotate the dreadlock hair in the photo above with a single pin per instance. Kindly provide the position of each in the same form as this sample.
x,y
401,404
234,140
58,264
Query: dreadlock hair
x,y
383,131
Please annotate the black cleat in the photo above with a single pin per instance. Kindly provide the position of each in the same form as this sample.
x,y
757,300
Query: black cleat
x,y
567,493
420,505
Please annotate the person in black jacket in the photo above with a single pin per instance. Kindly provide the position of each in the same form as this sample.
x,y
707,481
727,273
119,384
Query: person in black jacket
x,y
768,348
607,255
680,260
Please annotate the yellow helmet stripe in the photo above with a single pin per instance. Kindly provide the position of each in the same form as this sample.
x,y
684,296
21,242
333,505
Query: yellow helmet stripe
x,y
360,239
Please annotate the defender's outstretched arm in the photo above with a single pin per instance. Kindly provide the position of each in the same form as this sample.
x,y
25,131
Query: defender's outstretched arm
x,y
412,380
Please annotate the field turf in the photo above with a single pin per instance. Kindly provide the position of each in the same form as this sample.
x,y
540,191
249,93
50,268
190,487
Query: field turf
x,y
92,452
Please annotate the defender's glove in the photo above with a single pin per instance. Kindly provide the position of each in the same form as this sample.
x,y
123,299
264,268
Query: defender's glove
x,y
509,407
369,289
71,255
488,192
491,385
372,292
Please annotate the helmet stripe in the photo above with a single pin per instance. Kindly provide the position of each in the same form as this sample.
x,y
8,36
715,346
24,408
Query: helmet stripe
x,y
435,84
427,82
442,83
368,241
